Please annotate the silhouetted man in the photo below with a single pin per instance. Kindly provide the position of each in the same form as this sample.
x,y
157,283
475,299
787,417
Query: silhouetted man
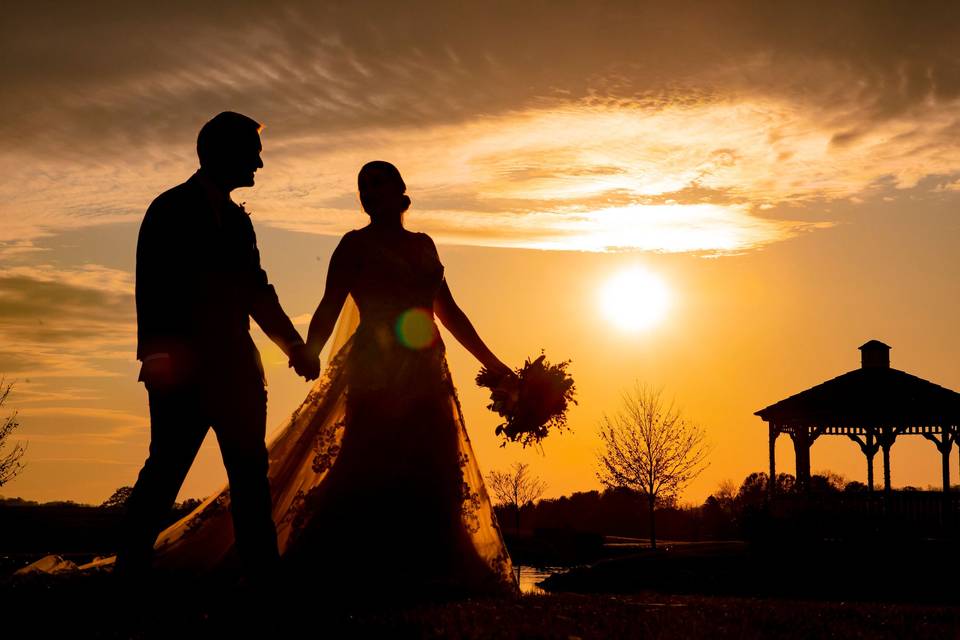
x,y
198,282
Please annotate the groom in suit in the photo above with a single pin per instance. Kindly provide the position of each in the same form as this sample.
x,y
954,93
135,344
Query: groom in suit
x,y
198,282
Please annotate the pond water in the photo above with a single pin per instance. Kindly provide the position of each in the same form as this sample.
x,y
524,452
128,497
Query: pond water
x,y
530,576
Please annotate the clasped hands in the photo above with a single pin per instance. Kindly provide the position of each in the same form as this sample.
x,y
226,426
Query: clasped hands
x,y
304,362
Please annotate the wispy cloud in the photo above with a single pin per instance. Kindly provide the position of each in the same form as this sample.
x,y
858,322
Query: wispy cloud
x,y
80,425
28,395
64,322
97,461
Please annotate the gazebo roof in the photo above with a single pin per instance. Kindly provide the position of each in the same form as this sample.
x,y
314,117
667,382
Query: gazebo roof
x,y
874,395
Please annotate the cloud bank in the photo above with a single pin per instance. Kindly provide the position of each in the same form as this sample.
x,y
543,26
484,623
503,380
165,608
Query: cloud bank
x,y
540,125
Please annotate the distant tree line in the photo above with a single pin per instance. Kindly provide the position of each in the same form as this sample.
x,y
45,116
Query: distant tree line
x,y
733,511
116,501
65,526
119,498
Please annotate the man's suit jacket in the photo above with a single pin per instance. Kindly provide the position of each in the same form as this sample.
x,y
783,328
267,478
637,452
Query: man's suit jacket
x,y
199,280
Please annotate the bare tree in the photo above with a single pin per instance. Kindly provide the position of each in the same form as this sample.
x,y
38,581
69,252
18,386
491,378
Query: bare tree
x,y
651,448
10,464
516,487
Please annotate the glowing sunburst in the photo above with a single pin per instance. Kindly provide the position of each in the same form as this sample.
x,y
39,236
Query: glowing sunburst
x,y
635,299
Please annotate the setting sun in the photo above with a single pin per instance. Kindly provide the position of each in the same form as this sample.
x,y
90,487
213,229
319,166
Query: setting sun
x,y
635,299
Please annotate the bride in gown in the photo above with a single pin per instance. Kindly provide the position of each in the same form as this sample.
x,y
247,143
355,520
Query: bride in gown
x,y
373,478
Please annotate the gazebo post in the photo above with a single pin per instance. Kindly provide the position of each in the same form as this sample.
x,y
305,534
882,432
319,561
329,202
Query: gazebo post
x,y
945,453
886,441
869,449
944,445
801,447
772,480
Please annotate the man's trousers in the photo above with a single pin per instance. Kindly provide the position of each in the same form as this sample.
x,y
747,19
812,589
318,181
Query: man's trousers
x,y
179,419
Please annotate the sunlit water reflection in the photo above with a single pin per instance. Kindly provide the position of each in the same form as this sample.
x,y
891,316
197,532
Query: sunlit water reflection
x,y
530,576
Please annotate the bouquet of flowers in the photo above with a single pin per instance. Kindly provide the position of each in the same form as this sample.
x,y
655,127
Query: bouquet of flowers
x,y
532,402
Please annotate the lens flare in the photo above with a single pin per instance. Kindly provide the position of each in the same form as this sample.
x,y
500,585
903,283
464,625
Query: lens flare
x,y
415,328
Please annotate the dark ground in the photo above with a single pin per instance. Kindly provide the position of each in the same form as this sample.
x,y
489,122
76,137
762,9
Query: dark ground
x,y
870,587
919,572
94,605
89,606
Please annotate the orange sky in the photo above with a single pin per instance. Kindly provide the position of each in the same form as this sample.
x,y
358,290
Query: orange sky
x,y
797,196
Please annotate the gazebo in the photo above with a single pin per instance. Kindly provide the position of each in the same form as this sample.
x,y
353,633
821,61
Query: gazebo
x,y
871,405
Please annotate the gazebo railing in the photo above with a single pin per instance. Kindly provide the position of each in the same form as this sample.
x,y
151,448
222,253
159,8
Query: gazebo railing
x,y
923,512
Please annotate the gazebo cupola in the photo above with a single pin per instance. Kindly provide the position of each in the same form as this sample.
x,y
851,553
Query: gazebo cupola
x,y
874,354
871,405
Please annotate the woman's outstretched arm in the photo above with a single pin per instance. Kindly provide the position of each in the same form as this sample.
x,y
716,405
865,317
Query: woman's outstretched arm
x,y
334,294
457,322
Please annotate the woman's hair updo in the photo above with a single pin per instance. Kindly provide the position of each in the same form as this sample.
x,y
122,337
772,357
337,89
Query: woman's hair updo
x,y
376,174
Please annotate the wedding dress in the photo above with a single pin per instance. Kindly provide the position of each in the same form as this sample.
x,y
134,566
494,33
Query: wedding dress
x,y
373,477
